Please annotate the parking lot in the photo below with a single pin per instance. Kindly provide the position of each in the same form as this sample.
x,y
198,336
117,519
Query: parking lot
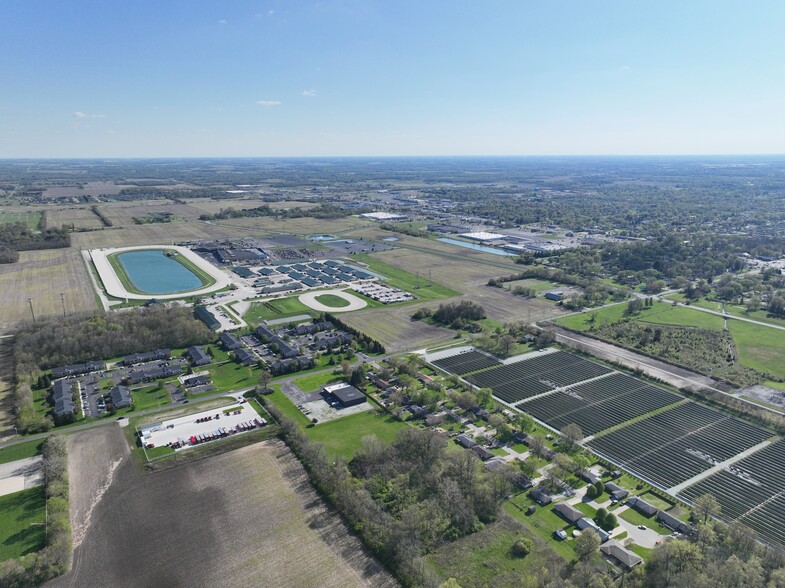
x,y
188,431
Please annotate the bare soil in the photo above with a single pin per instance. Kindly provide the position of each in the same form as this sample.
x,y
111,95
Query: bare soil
x,y
246,517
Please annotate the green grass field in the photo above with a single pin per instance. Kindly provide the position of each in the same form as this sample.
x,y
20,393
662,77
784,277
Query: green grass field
x,y
760,348
542,523
21,517
407,281
20,451
636,518
150,396
342,436
30,218
232,376
314,382
485,558
661,313
276,309
332,300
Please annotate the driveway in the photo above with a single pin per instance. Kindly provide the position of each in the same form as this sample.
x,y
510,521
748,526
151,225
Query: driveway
x,y
648,538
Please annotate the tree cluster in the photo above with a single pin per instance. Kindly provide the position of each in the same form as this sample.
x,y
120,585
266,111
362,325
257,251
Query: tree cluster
x,y
19,237
55,558
405,498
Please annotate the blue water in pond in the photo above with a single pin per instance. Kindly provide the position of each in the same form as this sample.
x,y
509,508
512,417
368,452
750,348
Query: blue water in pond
x,y
154,273
475,247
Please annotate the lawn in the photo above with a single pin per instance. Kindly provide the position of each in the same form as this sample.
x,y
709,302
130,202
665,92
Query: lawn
x,y
661,313
542,523
332,300
20,451
636,518
232,376
586,509
20,516
344,436
760,348
150,396
275,309
30,218
485,558
421,286
313,382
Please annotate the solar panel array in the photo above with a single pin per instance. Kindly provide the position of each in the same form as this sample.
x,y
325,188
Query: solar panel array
x,y
466,362
599,404
517,381
751,492
674,445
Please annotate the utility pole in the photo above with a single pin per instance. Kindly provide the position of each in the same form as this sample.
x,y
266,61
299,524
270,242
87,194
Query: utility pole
x,y
62,300
30,302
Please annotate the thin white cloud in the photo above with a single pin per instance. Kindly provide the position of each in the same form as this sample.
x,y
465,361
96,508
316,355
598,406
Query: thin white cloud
x,y
222,21
269,103
79,114
270,12
625,68
309,93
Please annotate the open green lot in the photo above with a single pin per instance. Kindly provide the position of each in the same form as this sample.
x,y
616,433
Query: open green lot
x,y
314,382
22,517
342,436
20,451
150,396
30,218
276,309
485,558
760,348
420,286
661,313
542,523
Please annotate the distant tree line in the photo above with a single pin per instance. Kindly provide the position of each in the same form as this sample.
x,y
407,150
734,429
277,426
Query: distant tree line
x,y
54,559
325,210
19,237
101,216
405,230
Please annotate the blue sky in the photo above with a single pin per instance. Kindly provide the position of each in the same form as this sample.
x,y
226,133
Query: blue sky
x,y
394,77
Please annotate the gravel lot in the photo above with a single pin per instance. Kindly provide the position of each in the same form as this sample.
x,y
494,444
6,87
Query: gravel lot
x,y
246,517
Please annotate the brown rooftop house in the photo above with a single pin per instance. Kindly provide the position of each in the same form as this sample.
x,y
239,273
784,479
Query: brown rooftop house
x,y
465,441
567,512
620,554
642,506
616,491
344,395
481,452
540,496
673,523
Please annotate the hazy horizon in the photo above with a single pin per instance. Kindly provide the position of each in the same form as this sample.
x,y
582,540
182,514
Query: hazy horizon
x,y
349,78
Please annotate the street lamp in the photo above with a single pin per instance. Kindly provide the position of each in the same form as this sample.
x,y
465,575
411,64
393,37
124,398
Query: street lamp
x,y
30,302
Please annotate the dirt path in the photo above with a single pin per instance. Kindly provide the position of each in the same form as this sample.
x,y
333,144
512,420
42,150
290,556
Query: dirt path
x,y
243,518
